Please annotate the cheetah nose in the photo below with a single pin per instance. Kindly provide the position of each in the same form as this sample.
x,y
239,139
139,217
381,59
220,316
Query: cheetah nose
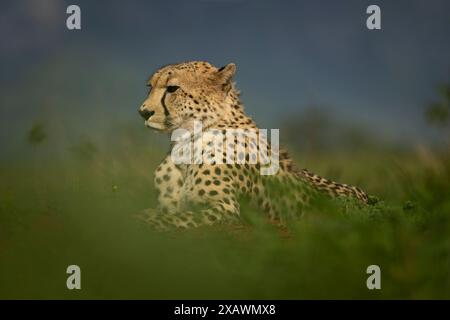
x,y
146,114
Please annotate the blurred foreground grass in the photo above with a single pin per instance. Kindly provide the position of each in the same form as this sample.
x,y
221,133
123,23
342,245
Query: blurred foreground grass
x,y
78,209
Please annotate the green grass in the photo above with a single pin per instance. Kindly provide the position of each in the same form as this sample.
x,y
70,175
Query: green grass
x,y
78,209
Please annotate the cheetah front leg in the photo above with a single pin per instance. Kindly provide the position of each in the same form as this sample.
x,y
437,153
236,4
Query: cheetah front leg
x,y
219,213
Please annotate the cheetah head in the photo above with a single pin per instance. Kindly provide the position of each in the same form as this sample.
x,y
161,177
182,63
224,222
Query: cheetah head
x,y
182,93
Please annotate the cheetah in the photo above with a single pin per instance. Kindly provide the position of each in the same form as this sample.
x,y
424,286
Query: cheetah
x,y
205,193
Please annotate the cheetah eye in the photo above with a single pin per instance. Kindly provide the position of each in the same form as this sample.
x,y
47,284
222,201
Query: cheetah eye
x,y
172,89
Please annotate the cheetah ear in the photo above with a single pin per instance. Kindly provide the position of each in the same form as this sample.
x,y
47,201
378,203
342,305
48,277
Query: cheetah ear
x,y
227,72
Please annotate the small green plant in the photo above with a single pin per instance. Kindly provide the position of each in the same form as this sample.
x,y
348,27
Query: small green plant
x,y
37,134
438,113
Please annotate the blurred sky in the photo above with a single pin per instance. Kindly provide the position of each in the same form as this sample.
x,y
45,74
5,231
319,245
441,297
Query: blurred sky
x,y
290,55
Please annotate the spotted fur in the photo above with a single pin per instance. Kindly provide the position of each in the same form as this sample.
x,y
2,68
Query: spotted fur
x,y
193,195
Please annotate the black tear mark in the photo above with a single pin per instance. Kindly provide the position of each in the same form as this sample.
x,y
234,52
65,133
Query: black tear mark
x,y
163,102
